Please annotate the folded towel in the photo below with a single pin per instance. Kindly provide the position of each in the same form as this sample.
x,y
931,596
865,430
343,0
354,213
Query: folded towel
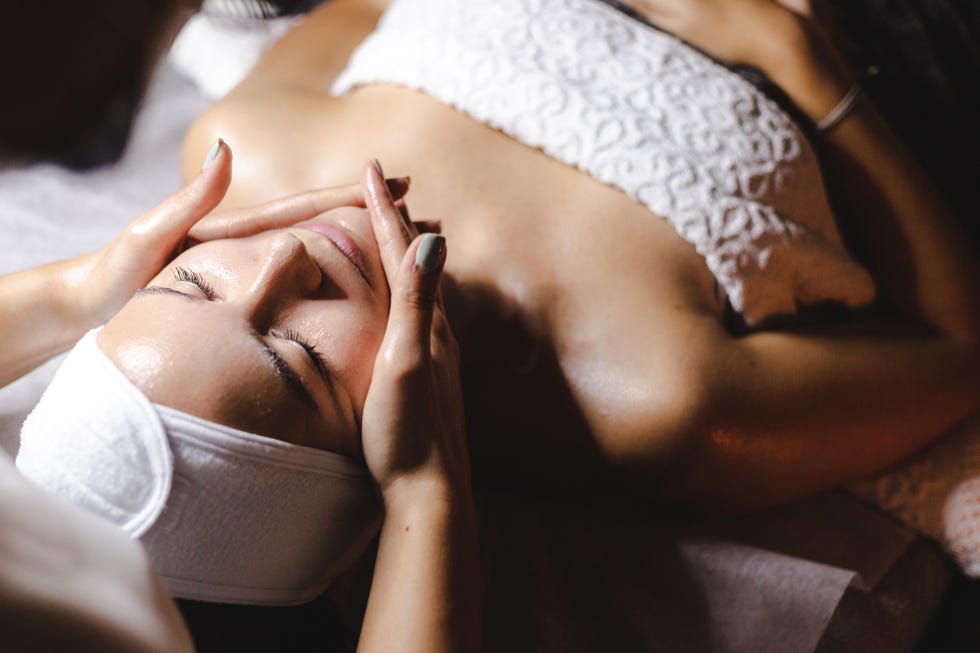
x,y
224,515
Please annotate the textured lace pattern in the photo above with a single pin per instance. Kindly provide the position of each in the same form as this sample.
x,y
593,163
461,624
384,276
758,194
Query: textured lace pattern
x,y
637,109
937,492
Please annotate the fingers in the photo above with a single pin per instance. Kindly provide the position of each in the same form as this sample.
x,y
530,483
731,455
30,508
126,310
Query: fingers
x,y
287,211
168,223
413,298
390,228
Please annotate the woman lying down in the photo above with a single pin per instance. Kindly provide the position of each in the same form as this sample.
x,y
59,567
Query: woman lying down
x,y
634,231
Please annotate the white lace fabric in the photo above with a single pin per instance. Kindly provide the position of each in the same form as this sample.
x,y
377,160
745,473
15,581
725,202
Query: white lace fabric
x,y
639,110
692,141
937,492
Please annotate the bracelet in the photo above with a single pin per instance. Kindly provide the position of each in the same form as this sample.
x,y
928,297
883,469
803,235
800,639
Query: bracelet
x,y
846,104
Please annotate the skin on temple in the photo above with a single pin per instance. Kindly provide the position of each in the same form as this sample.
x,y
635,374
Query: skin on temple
x,y
591,332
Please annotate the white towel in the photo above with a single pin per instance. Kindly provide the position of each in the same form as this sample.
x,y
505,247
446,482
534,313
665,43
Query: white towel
x,y
937,492
217,54
224,515
644,112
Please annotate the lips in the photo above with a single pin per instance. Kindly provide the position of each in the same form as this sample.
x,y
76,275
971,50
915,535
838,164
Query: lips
x,y
341,240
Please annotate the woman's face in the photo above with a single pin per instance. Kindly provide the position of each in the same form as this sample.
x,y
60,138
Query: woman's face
x,y
274,334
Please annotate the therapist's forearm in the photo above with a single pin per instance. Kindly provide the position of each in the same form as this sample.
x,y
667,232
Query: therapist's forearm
x,y
39,317
425,595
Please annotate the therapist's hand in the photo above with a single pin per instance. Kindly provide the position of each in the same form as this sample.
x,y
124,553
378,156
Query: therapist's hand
x,y
425,593
412,429
100,283
103,281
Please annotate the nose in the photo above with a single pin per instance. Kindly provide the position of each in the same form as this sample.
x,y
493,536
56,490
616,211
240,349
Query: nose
x,y
286,271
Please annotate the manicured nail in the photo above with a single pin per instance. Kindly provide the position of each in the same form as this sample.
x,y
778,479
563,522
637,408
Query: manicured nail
x,y
398,186
377,166
430,253
212,154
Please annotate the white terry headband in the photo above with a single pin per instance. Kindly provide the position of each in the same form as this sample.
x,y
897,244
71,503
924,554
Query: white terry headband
x,y
224,515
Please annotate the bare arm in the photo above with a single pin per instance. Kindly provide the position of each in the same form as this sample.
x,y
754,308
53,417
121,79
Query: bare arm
x,y
426,587
797,411
30,298
924,265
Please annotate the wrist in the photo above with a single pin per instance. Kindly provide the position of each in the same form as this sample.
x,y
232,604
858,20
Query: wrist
x,y
77,312
42,317
426,494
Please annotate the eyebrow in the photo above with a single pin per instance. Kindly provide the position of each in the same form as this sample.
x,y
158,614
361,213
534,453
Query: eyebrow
x,y
284,372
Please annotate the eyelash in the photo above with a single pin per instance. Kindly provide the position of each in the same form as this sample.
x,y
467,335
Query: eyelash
x,y
188,276
311,350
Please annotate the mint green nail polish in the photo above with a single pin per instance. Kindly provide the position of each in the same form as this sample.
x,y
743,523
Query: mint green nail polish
x,y
212,154
430,253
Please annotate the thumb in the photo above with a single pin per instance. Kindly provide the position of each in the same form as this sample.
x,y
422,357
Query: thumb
x,y
413,297
168,223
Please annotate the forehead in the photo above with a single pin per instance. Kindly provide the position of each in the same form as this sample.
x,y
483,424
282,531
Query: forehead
x,y
185,355
182,356
225,258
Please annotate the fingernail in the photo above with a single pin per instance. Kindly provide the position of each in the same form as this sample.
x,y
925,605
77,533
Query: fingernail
x,y
212,154
431,252
377,166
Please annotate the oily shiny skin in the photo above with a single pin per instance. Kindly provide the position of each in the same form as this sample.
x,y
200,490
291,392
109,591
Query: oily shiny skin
x,y
555,282
239,305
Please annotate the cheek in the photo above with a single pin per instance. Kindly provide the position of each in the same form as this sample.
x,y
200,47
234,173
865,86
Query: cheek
x,y
350,340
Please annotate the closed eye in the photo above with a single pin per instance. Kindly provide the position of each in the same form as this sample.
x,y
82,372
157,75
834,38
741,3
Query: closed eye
x,y
184,275
319,362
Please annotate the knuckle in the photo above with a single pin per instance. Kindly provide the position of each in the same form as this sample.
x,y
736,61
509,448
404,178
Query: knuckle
x,y
418,298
